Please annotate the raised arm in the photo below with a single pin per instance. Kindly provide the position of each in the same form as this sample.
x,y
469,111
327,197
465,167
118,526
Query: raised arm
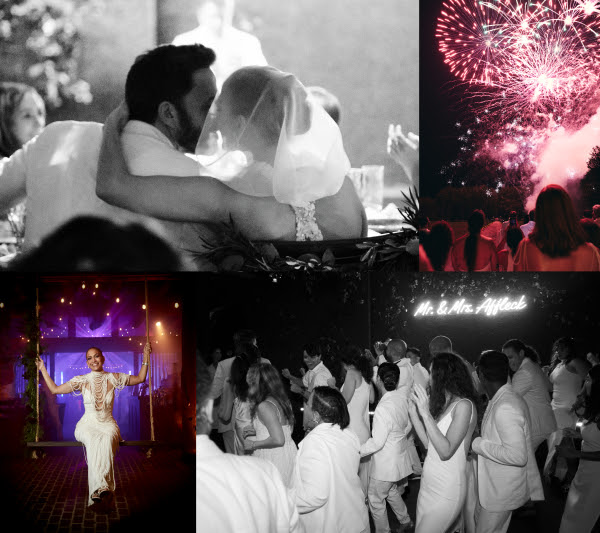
x,y
417,423
65,388
446,445
380,432
188,199
141,377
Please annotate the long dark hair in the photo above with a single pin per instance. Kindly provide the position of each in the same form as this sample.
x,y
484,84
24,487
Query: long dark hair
x,y
475,222
353,355
591,411
557,230
264,382
449,374
239,370
438,243
389,373
331,406
11,95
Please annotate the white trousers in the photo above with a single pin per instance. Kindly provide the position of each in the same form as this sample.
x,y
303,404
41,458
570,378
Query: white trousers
x,y
391,491
491,521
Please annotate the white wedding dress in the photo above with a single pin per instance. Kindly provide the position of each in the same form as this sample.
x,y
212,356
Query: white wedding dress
x,y
97,429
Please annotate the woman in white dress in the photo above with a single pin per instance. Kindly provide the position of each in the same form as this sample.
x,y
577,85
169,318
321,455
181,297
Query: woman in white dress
x,y
566,375
97,429
282,172
445,423
327,488
273,420
358,391
582,509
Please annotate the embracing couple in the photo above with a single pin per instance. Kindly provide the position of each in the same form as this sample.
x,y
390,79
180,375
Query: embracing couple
x,y
272,160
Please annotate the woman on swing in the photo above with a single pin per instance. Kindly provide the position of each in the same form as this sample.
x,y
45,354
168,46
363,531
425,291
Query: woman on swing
x,y
97,429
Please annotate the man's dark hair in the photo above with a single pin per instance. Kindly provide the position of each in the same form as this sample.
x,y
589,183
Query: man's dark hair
x,y
313,349
331,406
493,366
415,350
163,74
514,344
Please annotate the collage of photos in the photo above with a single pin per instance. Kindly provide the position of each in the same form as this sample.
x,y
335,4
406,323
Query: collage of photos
x,y
307,267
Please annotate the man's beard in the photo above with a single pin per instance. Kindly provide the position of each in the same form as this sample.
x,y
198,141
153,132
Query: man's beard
x,y
188,134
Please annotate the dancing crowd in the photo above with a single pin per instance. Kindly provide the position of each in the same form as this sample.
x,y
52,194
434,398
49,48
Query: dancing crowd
x,y
484,432
550,238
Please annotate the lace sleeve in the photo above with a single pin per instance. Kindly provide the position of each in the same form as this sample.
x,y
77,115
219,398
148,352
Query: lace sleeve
x,y
119,380
77,384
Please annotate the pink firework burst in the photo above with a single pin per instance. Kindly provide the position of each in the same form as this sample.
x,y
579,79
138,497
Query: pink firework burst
x,y
520,55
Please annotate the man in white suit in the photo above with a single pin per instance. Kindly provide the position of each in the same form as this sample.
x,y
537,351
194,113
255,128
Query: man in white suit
x,y
507,474
221,388
532,384
235,493
396,353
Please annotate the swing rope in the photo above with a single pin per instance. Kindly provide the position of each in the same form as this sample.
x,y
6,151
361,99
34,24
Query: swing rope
x,y
149,362
37,374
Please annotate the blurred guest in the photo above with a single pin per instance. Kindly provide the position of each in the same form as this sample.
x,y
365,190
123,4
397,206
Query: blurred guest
x,y
566,376
261,501
318,375
404,150
391,464
596,214
396,353
358,392
593,358
221,387
234,48
94,244
328,493
581,509
508,475
438,243
473,252
273,420
592,230
528,226
558,242
444,423
530,382
327,100
422,227
420,373
22,117
214,356
506,257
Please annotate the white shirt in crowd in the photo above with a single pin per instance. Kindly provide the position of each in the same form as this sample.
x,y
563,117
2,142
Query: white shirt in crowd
x,y
407,379
328,491
317,377
527,228
421,375
388,444
532,384
235,493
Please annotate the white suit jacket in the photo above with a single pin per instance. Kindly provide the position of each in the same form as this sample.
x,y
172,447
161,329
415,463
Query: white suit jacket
x,y
507,474
388,444
235,493
221,388
329,496
533,386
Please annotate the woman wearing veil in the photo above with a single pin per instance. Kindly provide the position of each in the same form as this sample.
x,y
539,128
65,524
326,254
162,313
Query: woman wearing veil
x,y
280,169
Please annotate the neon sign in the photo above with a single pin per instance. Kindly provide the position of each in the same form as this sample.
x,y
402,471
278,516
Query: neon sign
x,y
463,306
